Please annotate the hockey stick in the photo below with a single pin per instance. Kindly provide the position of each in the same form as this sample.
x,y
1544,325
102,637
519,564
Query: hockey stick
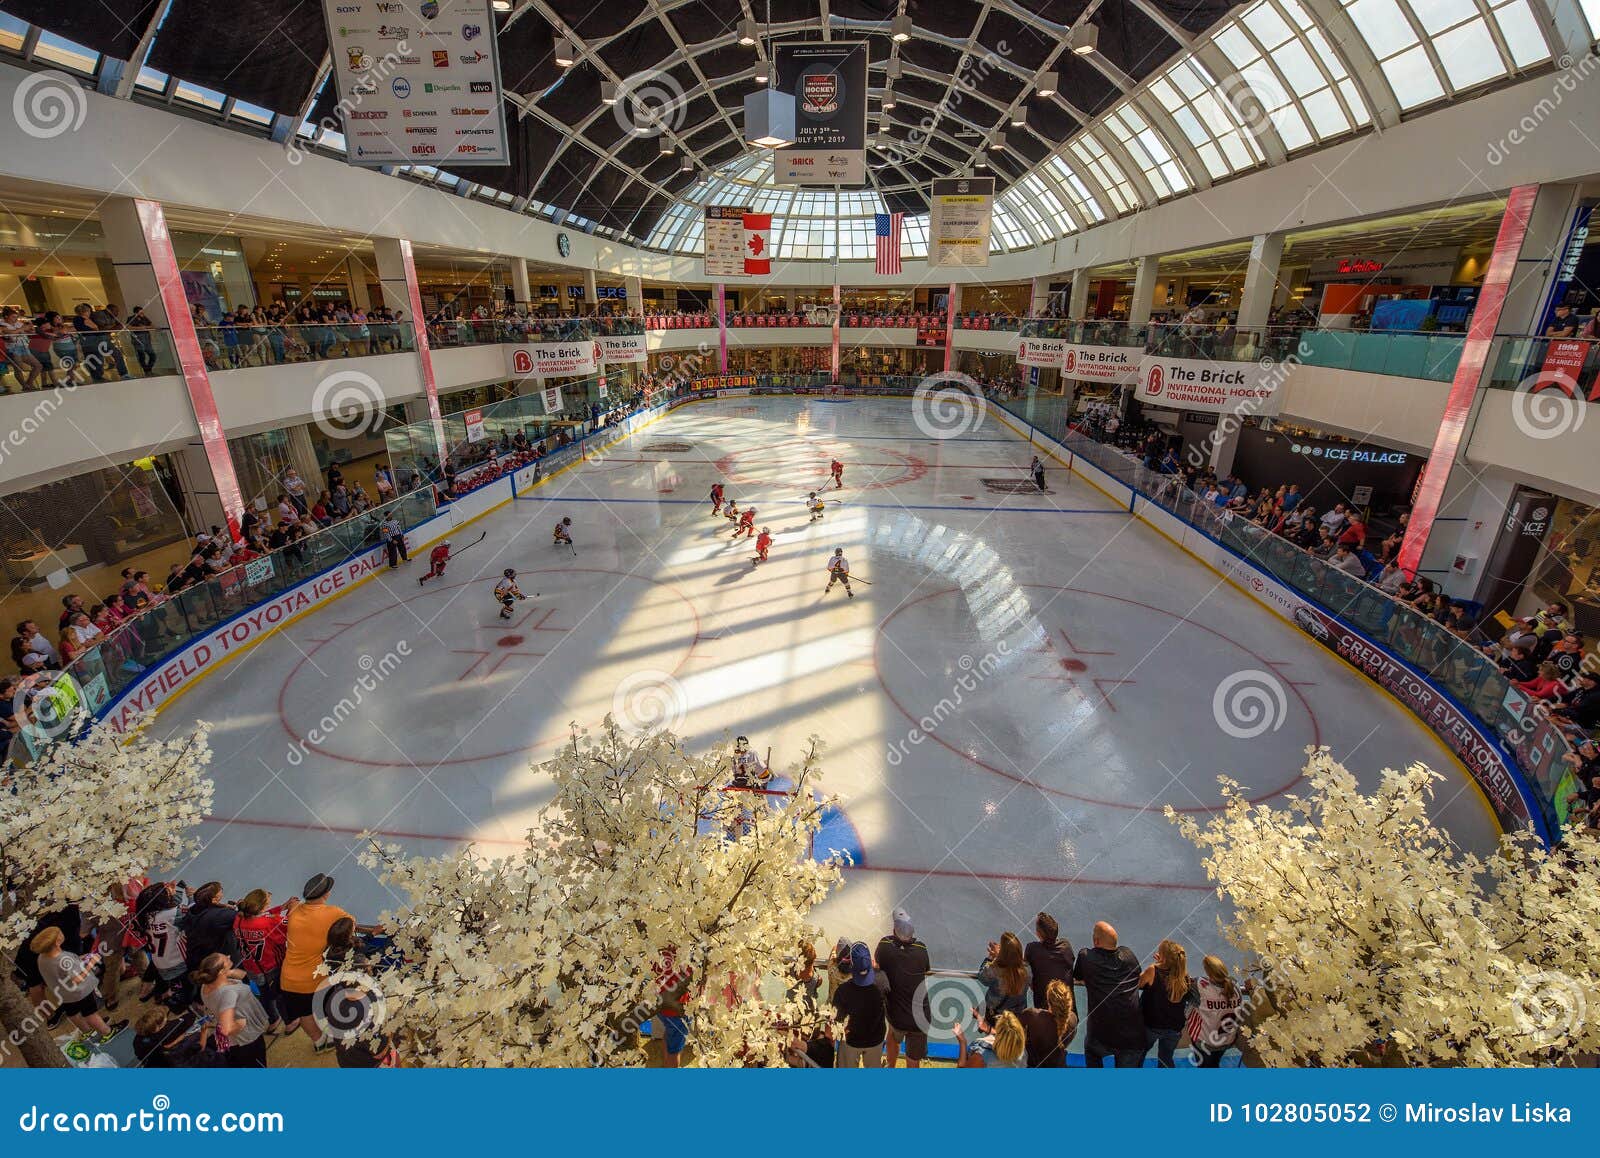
x,y
469,546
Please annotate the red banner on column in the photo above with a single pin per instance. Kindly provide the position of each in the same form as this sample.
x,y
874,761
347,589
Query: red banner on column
x,y
1563,363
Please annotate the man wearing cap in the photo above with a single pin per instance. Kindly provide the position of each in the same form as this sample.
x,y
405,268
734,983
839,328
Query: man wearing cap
x,y
1582,711
903,963
859,1003
307,928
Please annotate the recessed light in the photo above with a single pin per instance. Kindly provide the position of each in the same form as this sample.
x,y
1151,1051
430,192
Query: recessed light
x,y
1048,82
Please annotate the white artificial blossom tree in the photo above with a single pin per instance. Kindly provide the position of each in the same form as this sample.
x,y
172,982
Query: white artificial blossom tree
x,y
1368,925
644,870
96,809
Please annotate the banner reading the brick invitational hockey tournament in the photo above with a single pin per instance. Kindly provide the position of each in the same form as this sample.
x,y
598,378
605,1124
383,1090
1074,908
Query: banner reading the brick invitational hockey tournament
x,y
418,81
829,83
554,359
960,214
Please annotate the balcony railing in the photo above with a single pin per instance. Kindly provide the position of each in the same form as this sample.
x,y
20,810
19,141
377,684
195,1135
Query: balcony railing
x,y
1398,353
76,359
236,347
1570,366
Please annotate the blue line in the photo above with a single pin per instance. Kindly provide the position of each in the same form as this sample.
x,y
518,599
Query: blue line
x,y
869,506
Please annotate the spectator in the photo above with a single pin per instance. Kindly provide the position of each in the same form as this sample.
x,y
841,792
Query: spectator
x,y
155,920
1344,559
670,1022
1003,1047
1163,998
1214,1019
1049,1029
306,940
861,1005
903,961
70,982
239,1015
163,1042
208,927
1006,975
1110,973
262,934
30,638
1049,958
1546,684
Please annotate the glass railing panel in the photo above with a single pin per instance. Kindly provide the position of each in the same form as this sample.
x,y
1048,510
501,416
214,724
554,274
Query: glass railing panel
x,y
238,347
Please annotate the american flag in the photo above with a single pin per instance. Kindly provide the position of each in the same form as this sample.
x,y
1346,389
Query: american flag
x,y
886,230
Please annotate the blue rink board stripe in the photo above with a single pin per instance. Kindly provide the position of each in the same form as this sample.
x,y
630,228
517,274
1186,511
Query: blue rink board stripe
x,y
870,506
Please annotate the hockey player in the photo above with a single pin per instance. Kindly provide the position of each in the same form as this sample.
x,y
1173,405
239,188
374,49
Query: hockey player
x,y
836,468
1037,471
748,770
437,558
839,572
732,512
716,498
507,592
562,533
815,506
747,524
763,544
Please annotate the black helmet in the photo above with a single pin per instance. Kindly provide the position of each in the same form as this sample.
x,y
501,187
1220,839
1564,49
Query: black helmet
x,y
510,574
567,522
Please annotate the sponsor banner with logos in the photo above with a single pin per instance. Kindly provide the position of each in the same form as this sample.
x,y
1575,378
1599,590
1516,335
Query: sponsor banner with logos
x,y
621,348
474,421
1046,353
552,400
960,214
1202,384
418,81
554,359
724,241
829,83
1118,364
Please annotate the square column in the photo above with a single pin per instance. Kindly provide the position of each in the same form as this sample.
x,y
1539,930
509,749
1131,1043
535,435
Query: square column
x,y
1144,290
356,273
1039,301
952,307
519,280
1260,280
634,287
1078,295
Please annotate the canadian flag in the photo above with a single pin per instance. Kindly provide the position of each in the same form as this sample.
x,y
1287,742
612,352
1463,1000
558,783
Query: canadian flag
x,y
758,243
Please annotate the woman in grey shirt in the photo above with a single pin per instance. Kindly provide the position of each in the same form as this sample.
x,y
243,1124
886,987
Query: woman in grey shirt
x,y
70,982
238,1012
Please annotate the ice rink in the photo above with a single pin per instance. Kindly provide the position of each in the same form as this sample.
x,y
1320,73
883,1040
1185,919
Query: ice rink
x,y
1027,680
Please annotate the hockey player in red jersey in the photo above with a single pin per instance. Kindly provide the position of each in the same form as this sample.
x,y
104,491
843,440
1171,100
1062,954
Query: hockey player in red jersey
x,y
836,468
747,523
716,498
763,544
437,558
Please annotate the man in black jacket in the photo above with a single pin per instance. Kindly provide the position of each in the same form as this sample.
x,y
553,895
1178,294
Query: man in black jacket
x,y
1049,958
903,962
208,927
1116,1025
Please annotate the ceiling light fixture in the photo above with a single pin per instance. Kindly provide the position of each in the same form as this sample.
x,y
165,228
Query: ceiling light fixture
x,y
900,29
687,166
999,143
763,73
892,69
769,118
748,33
1019,119
1048,82
608,92
565,56
501,5
888,99
667,149
1085,39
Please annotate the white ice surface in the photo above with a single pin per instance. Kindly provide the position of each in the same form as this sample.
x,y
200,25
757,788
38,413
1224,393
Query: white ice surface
x,y
1093,648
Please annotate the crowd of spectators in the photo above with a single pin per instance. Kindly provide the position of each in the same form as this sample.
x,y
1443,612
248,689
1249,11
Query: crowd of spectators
x,y
1023,1009
95,344
275,334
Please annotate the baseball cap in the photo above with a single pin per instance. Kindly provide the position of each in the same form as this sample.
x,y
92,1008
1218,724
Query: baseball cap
x,y
861,972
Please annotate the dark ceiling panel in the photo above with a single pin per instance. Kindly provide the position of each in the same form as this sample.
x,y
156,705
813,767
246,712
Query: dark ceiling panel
x,y
646,47
703,20
532,142
942,17
1051,121
109,26
257,50
591,21
575,97
567,175
1085,86
726,151
1195,15
527,60
905,201
1056,11
1132,41
725,61
1013,41
933,57
645,220
604,188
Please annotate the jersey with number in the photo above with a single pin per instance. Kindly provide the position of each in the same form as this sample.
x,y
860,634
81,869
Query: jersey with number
x,y
748,770
165,940
838,565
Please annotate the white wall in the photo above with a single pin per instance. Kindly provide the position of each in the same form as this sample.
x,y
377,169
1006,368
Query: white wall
x,y
52,434
1403,412
1568,463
